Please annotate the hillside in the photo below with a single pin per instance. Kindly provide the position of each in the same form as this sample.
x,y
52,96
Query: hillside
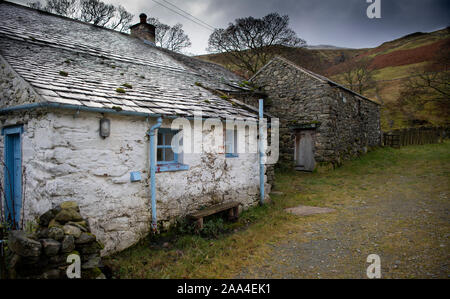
x,y
392,63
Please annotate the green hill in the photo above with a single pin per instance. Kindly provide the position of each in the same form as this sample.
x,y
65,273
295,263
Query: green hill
x,y
392,63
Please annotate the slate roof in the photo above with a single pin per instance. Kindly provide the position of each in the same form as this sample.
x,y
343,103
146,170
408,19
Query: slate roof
x,y
42,47
313,75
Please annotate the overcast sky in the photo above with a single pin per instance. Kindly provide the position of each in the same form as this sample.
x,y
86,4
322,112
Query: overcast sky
x,y
333,22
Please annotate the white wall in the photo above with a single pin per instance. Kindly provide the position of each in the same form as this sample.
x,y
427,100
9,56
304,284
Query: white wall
x,y
64,158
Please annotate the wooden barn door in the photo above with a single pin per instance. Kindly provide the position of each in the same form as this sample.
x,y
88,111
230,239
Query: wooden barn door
x,y
304,150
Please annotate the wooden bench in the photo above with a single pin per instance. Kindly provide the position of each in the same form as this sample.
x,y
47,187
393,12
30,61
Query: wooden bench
x,y
232,207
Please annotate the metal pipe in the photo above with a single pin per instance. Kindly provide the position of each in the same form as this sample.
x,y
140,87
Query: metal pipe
x,y
261,151
152,134
92,109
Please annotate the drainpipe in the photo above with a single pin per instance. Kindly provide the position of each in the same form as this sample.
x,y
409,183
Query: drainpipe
x,y
261,151
152,134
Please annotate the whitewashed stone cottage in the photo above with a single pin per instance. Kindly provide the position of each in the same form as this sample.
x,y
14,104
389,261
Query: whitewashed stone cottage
x,y
77,103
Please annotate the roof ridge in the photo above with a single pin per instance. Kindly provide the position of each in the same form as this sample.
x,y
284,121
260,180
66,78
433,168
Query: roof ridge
x,y
57,41
308,72
315,76
61,16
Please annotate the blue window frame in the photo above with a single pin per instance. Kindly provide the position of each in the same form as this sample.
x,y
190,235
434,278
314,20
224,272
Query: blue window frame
x,y
12,174
231,143
165,153
167,159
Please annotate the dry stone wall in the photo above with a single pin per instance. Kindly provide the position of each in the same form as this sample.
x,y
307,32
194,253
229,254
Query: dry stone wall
x,y
43,254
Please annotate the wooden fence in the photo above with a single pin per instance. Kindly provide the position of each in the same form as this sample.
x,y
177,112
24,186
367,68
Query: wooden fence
x,y
414,136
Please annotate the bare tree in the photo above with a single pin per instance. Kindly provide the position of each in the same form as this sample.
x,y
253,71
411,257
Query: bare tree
x,y
117,18
96,12
170,37
173,38
249,41
68,8
425,96
36,5
358,76
435,78
122,19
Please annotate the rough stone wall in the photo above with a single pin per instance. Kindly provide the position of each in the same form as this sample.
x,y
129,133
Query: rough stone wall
x,y
13,89
43,253
296,99
64,158
343,128
356,124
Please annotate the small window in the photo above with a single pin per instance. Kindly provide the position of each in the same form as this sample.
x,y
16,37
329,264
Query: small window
x,y
165,152
167,159
231,143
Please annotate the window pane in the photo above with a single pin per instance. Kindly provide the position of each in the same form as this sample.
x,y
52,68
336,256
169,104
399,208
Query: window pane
x,y
231,142
168,137
160,138
159,156
228,148
169,155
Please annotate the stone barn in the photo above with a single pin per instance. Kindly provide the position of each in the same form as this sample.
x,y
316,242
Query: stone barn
x,y
321,122
78,104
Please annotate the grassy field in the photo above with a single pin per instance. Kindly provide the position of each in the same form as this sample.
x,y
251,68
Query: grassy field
x,y
388,201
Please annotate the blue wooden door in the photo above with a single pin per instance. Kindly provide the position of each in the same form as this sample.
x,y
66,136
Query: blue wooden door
x,y
13,175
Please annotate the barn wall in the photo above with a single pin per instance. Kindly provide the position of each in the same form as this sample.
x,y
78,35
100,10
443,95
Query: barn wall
x,y
64,158
345,124
298,100
355,123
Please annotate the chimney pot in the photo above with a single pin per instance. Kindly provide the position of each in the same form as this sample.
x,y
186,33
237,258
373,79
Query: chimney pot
x,y
143,18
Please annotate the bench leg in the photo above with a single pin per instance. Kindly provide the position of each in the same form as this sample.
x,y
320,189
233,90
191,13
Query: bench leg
x,y
199,224
236,212
233,214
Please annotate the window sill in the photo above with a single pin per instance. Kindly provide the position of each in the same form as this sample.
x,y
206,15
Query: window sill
x,y
171,167
231,156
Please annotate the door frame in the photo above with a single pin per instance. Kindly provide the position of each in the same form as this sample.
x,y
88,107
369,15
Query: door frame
x,y
12,155
297,135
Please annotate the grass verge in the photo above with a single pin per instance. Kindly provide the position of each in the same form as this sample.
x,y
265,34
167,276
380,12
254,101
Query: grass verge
x,y
248,242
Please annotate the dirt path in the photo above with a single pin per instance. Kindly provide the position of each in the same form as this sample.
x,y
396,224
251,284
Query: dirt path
x,y
393,203
402,215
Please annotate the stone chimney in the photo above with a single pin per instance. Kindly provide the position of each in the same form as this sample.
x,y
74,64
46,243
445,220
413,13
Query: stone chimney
x,y
143,30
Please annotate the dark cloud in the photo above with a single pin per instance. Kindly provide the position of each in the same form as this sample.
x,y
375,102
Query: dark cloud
x,y
336,22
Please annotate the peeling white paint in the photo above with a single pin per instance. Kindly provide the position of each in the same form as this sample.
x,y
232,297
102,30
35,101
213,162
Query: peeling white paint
x,y
64,158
